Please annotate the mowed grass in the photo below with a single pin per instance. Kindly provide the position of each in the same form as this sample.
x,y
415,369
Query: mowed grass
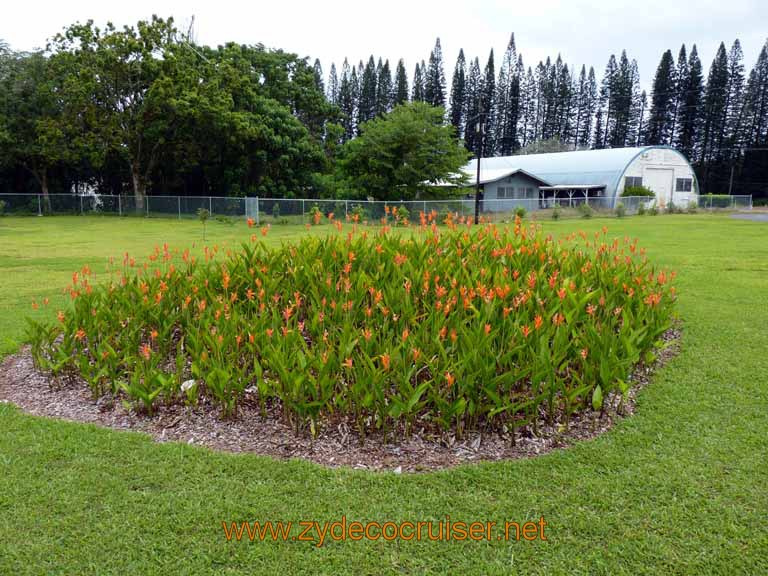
x,y
679,488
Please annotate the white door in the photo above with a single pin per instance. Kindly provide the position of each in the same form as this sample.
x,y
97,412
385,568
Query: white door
x,y
660,180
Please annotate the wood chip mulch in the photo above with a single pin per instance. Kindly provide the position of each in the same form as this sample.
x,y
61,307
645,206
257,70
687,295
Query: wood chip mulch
x,y
337,443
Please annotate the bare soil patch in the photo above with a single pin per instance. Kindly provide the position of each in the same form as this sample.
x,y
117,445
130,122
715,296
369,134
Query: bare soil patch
x,y
337,443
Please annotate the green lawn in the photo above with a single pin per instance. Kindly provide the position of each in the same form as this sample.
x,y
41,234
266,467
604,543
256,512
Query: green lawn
x,y
679,488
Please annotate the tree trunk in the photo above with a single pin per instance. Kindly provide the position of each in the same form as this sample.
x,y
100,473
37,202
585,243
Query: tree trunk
x,y
44,188
139,188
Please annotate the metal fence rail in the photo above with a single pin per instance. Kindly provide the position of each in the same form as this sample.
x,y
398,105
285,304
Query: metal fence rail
x,y
301,211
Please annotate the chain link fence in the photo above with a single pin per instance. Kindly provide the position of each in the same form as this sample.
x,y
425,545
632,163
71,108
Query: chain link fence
x,y
303,211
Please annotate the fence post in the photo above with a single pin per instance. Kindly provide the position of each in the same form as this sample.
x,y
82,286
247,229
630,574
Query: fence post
x,y
178,201
119,205
210,206
39,206
81,205
146,204
346,209
302,210
257,210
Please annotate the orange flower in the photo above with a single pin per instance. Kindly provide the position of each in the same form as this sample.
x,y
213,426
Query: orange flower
x,y
487,329
60,316
584,353
406,332
250,222
558,319
561,293
454,336
416,353
450,378
35,306
153,334
347,363
537,322
146,351
385,361
80,334
526,331
251,338
591,309
270,331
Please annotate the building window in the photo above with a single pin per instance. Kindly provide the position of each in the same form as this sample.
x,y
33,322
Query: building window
x,y
501,192
683,184
630,181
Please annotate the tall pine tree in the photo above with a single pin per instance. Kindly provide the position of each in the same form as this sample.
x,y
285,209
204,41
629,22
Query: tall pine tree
x,y
507,101
661,118
434,82
488,94
473,100
347,100
690,107
458,94
715,106
332,92
400,95
678,97
384,90
366,105
317,71
418,83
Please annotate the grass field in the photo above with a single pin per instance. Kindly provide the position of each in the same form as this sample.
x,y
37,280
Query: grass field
x,y
679,488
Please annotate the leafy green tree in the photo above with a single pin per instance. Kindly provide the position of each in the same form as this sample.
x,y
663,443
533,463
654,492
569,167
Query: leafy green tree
x,y
400,154
35,137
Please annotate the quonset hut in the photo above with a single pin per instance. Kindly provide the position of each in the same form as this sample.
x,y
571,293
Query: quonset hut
x,y
538,180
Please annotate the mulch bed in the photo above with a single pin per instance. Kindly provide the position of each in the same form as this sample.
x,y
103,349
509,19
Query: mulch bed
x,y
336,445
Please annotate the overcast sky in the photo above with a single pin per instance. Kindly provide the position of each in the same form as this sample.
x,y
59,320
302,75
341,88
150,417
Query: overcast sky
x,y
582,32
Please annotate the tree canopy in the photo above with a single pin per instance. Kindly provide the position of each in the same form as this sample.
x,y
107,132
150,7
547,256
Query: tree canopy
x,y
396,156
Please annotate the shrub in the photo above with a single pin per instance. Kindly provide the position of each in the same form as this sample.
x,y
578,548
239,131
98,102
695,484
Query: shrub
x,y
2,207
276,210
638,191
556,213
620,210
519,212
203,214
653,210
692,208
641,209
359,213
316,214
401,213
585,210
465,329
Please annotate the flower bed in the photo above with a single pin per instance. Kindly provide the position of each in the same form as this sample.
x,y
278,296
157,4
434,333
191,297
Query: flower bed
x,y
462,328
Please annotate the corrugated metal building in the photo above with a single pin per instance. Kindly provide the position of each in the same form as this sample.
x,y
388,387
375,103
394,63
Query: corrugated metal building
x,y
537,179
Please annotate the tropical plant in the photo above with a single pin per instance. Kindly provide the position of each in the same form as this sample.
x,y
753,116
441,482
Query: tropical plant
x,y
464,328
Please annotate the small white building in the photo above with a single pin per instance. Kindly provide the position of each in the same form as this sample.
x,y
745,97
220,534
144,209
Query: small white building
x,y
538,180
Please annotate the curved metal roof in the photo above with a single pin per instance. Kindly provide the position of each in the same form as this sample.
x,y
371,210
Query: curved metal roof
x,y
584,167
